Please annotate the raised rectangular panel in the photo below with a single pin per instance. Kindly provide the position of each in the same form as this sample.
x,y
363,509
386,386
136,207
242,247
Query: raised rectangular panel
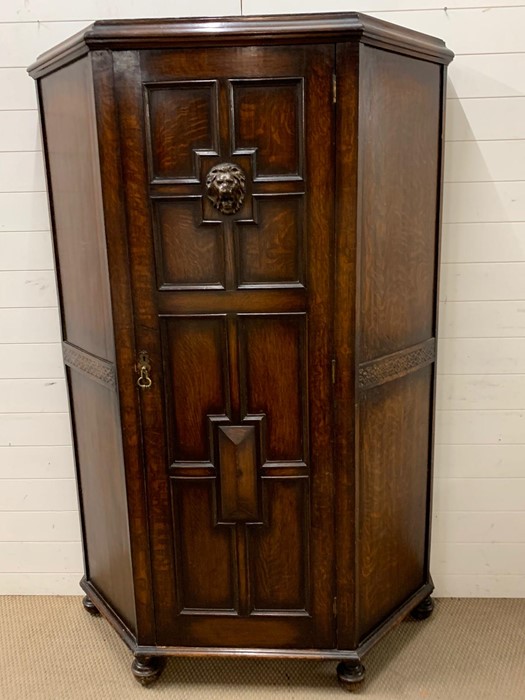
x,y
238,473
182,119
393,477
268,117
271,250
196,359
189,254
204,552
485,118
37,462
278,549
102,487
273,381
70,128
398,227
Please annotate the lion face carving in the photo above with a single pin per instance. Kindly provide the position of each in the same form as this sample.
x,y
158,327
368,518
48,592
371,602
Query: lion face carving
x,y
225,187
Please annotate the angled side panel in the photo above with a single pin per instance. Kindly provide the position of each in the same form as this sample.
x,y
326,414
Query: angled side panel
x,y
400,144
72,158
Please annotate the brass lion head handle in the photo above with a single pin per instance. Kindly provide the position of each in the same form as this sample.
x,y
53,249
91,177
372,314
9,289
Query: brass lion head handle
x,y
225,187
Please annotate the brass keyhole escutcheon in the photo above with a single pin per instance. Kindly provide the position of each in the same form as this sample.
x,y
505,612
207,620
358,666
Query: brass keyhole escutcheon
x,y
226,187
143,367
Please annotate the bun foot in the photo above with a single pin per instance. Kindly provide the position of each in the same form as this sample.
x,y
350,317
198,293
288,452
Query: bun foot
x,y
350,674
89,606
424,609
147,669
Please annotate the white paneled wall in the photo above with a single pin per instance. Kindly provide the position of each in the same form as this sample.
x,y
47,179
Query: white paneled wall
x,y
479,507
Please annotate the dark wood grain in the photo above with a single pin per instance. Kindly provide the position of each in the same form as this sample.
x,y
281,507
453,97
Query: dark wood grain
x,y
241,31
123,328
269,493
279,554
238,467
182,120
400,160
273,367
189,255
346,333
74,180
257,103
194,343
101,481
271,250
394,435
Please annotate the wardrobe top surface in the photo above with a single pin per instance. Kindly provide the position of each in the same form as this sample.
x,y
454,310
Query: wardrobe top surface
x,y
121,34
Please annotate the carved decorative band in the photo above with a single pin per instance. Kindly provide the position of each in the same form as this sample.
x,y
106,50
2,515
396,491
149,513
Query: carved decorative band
x,y
94,367
397,365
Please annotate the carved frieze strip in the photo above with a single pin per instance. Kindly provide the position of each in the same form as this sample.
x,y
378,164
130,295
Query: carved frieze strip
x,y
398,364
92,366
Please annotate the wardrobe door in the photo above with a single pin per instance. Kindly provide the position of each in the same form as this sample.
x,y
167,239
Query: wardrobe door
x,y
228,167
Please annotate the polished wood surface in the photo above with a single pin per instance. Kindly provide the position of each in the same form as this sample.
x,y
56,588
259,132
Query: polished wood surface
x,y
264,215
257,366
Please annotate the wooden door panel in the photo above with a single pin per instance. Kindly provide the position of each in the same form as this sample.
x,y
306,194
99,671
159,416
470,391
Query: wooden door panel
x,y
181,121
188,253
204,552
279,549
237,320
273,369
255,105
270,248
195,352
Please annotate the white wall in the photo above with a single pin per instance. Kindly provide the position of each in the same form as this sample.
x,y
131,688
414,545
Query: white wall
x,y
479,509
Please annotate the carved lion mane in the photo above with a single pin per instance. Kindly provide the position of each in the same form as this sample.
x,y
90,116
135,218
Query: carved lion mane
x,y
225,187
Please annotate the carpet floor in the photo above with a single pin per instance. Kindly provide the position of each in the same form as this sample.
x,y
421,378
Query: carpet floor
x,y
51,649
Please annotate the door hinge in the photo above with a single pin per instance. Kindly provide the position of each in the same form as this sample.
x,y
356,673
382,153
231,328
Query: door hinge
x,y
333,371
334,88
334,606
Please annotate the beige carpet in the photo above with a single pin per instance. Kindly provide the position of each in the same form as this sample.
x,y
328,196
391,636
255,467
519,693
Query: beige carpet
x,y
51,649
